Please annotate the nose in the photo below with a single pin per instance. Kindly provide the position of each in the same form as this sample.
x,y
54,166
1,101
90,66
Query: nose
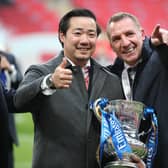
x,y
125,41
84,38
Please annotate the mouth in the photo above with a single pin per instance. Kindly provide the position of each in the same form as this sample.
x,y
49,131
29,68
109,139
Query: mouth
x,y
129,51
83,49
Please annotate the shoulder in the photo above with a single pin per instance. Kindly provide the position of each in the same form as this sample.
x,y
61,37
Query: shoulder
x,y
47,67
10,57
110,76
110,73
107,70
117,67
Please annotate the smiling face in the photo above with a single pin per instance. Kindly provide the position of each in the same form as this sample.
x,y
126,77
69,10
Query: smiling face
x,y
126,39
80,39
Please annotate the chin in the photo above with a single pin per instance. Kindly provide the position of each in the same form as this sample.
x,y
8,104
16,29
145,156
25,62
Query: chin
x,y
84,56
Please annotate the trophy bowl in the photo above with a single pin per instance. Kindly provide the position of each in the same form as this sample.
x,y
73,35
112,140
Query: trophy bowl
x,y
129,114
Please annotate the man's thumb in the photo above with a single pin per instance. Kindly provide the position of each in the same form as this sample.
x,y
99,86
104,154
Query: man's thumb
x,y
63,63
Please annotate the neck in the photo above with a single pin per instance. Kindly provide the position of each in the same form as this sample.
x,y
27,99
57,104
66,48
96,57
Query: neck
x,y
80,63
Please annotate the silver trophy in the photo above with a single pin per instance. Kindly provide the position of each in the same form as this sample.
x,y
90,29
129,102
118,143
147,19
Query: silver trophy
x,y
129,114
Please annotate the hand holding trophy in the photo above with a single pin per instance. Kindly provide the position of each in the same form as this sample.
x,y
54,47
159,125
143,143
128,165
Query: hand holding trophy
x,y
120,121
138,161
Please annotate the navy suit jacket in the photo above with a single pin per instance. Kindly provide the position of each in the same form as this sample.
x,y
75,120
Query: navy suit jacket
x,y
151,88
14,85
6,104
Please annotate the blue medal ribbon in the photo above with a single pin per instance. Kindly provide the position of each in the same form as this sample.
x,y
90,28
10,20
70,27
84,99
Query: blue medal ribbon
x,y
111,127
153,137
105,132
118,137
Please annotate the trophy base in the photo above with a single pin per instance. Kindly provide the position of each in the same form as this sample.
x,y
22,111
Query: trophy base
x,y
120,164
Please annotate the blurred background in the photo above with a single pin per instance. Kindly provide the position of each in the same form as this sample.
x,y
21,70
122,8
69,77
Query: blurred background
x,y
28,29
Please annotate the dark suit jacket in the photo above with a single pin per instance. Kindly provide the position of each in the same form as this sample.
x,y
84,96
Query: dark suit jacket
x,y
6,104
66,131
151,88
12,128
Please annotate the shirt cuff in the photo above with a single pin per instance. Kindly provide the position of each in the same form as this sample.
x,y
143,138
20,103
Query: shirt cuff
x,y
45,89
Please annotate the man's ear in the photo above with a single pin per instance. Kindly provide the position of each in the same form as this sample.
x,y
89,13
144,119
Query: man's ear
x,y
143,33
61,37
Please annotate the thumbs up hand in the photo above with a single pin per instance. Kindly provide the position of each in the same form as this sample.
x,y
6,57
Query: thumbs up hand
x,y
62,77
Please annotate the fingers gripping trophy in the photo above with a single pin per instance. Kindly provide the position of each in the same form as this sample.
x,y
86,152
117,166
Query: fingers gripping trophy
x,y
120,137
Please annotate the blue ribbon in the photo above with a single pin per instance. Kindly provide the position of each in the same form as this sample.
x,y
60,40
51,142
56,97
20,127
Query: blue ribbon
x,y
153,137
111,127
3,77
105,132
118,137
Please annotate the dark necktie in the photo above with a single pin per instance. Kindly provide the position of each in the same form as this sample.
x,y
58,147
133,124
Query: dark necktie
x,y
127,77
131,75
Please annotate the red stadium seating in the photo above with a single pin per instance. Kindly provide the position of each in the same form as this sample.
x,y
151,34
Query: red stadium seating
x,y
28,16
149,12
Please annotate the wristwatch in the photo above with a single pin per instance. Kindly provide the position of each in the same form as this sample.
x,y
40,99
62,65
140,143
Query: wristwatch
x,y
49,82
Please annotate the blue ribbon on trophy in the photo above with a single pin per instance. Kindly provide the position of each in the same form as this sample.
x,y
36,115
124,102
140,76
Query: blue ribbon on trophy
x,y
153,137
112,128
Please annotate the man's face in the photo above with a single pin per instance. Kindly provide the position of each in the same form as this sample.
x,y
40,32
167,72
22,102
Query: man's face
x,y
80,39
126,40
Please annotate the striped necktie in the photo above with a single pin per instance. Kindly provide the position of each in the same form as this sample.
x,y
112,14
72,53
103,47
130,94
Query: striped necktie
x,y
86,76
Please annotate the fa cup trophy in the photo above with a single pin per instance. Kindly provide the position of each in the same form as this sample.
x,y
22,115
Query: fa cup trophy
x,y
120,121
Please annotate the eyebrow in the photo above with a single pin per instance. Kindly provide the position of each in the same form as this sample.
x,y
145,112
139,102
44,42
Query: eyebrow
x,y
81,29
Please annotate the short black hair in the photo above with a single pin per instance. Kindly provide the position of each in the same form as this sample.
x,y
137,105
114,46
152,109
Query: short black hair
x,y
64,22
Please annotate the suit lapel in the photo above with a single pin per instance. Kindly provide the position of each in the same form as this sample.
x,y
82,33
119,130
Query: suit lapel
x,y
145,77
97,83
97,80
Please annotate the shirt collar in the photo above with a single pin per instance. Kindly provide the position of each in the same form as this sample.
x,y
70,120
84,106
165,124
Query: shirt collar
x,y
87,64
129,66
